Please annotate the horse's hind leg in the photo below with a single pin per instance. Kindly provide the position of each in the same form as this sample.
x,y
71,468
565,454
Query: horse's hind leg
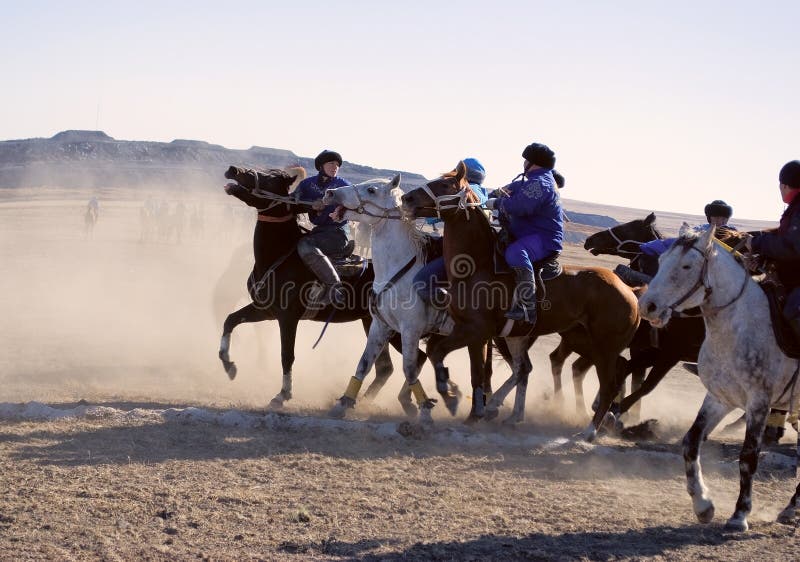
x,y
518,349
710,414
580,367
748,464
248,313
557,359
383,366
447,389
790,511
523,367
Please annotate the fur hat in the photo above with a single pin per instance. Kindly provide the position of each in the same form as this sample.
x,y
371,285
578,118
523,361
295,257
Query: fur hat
x,y
476,173
326,156
539,154
790,174
718,208
560,181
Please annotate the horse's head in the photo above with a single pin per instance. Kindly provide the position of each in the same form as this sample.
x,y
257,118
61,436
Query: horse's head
x,y
439,197
273,181
368,202
682,280
623,239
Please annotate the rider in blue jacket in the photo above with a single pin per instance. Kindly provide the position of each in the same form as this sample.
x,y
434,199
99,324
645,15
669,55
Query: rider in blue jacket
x,y
530,210
328,236
431,280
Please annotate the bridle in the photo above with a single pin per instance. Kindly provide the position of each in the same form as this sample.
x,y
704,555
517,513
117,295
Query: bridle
x,y
620,243
461,203
702,282
393,213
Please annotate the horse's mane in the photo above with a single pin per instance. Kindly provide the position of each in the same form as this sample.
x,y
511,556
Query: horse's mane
x,y
463,184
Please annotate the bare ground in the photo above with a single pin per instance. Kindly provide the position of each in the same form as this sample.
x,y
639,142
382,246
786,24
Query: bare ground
x,y
130,326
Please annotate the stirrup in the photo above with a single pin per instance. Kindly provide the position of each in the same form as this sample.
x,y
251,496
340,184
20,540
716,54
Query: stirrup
x,y
521,314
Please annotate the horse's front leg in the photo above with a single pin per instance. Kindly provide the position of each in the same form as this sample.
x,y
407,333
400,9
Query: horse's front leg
x,y
383,367
411,370
288,327
748,463
247,313
580,367
523,367
447,389
711,413
557,359
477,363
379,335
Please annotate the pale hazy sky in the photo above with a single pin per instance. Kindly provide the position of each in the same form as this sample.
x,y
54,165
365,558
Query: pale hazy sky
x,y
655,105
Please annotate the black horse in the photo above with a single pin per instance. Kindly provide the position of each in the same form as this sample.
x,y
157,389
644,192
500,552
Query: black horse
x,y
281,286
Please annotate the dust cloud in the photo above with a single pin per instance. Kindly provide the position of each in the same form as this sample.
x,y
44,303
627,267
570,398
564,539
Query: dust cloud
x,y
132,312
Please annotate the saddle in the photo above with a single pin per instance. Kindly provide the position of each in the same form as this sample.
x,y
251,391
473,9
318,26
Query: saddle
x,y
543,270
347,264
784,336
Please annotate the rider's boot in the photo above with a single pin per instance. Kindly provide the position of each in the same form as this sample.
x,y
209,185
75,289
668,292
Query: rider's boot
x,y
321,266
631,277
525,296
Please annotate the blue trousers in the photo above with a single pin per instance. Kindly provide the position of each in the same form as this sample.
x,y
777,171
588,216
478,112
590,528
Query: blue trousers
x,y
432,275
525,251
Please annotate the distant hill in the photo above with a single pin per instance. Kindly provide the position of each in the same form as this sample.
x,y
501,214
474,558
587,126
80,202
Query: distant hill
x,y
93,159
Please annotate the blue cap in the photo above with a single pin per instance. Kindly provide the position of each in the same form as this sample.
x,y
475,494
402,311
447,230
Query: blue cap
x,y
476,173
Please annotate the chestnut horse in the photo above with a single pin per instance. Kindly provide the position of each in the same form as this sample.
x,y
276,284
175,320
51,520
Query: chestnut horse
x,y
590,299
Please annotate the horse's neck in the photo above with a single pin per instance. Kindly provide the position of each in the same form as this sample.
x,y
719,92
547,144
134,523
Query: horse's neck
x,y
471,236
394,243
731,307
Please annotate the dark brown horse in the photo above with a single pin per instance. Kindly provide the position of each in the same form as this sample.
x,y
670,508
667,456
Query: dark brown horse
x,y
589,298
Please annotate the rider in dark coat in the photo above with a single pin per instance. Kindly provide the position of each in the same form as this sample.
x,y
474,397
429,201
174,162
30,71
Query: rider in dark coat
x,y
328,236
783,244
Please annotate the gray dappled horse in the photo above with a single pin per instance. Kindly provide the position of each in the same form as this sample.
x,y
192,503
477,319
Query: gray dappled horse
x,y
740,363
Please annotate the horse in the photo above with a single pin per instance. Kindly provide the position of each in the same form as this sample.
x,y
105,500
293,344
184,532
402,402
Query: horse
x,y
280,283
591,298
680,340
399,252
740,363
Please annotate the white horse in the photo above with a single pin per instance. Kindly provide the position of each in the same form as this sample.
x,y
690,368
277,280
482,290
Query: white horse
x,y
397,255
740,364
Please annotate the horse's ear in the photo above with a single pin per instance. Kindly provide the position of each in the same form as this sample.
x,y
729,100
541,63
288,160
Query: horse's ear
x,y
650,219
461,171
684,229
395,181
707,239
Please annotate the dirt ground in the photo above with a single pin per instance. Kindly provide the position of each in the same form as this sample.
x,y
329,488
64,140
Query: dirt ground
x,y
121,438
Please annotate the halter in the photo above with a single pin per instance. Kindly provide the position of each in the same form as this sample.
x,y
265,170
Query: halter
x,y
437,201
702,282
621,243
386,212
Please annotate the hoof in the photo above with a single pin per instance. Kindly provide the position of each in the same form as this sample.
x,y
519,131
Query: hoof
x,y
277,402
426,418
410,409
705,511
491,414
451,403
736,525
589,434
472,419
787,516
230,369
339,410
512,420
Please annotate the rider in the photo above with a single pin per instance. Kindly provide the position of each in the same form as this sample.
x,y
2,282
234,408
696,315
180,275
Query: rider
x,y
718,213
530,210
783,244
432,278
328,236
